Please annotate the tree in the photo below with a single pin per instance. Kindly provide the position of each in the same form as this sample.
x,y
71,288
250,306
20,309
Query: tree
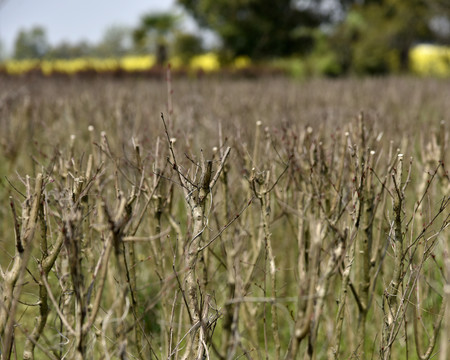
x,y
187,45
66,50
376,35
116,42
31,44
260,28
152,34
2,51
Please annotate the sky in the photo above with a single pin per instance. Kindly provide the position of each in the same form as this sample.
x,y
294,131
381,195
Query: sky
x,y
73,20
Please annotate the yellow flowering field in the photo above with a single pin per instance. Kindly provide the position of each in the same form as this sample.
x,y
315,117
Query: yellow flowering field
x,y
208,62
430,60
425,60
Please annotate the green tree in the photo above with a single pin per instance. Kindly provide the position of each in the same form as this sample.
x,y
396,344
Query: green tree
x,y
187,45
260,28
66,50
153,32
376,35
116,42
2,51
31,44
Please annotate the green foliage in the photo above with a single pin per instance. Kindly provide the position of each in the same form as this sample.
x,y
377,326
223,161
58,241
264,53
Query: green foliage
x,y
66,50
323,37
2,50
323,60
364,37
259,29
375,37
153,29
31,44
187,45
295,67
153,32
116,42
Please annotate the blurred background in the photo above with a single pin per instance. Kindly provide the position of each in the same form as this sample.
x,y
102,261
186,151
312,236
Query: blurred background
x,y
302,37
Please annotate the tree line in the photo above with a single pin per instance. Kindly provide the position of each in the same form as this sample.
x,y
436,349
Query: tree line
x,y
339,36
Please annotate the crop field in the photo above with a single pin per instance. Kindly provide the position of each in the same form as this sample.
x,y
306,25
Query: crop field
x,y
217,218
424,60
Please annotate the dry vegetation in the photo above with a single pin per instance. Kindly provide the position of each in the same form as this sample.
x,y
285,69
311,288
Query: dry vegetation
x,y
264,219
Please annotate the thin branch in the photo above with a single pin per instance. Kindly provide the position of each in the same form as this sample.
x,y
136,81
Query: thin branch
x,y
219,170
227,225
56,305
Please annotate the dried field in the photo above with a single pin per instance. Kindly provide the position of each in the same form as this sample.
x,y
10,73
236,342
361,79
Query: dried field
x,y
261,219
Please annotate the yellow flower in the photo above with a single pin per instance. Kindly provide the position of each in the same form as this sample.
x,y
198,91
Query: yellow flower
x,y
207,62
430,60
241,62
137,63
17,67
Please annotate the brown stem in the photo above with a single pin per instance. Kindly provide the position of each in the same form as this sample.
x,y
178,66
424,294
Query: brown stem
x,y
11,292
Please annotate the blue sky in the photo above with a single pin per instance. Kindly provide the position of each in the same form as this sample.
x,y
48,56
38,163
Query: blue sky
x,y
73,20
